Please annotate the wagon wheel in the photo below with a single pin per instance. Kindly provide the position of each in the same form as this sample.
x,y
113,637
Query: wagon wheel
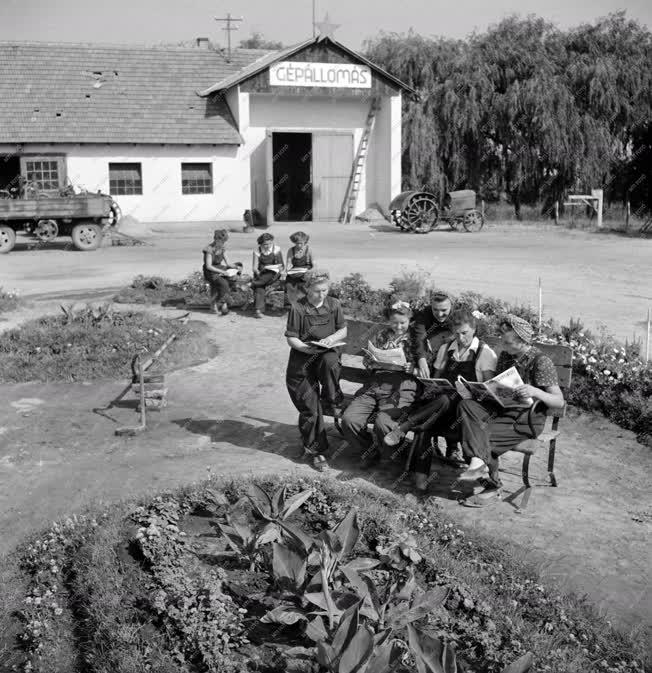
x,y
86,236
114,215
421,214
46,230
7,239
473,221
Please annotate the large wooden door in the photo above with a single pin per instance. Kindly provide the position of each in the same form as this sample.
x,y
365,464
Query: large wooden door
x,y
332,159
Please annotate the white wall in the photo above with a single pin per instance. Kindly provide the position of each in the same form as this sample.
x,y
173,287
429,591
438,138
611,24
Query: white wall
x,y
162,200
275,111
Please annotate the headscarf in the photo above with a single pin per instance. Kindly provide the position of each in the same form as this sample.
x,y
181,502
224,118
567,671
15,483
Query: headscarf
x,y
522,327
401,307
315,276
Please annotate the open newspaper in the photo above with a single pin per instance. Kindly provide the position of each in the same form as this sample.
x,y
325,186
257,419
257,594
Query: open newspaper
x,y
295,271
392,359
321,344
500,389
230,273
273,267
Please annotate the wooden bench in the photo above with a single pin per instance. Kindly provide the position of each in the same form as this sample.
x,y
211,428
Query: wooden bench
x,y
361,331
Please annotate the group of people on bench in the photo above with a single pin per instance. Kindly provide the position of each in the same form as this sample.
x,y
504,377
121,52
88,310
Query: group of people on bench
x,y
267,267
438,342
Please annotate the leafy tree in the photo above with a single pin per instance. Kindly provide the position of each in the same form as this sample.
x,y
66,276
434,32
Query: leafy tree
x,y
258,41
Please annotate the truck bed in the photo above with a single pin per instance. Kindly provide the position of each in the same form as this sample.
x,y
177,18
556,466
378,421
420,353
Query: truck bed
x,y
84,206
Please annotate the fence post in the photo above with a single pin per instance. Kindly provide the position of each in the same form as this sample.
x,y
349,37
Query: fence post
x,y
647,339
599,195
556,212
627,214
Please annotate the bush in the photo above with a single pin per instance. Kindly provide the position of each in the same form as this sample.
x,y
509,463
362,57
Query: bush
x,y
91,343
190,291
157,587
607,376
9,301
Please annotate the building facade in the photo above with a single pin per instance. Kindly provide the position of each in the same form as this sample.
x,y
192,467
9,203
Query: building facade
x,y
182,135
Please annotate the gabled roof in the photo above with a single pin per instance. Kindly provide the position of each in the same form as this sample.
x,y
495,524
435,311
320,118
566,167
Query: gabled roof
x,y
88,93
274,57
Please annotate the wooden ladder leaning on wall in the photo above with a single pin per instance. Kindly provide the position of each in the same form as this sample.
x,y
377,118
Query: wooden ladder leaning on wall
x,y
353,188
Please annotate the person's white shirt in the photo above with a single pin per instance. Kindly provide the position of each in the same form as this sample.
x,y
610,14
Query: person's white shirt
x,y
486,362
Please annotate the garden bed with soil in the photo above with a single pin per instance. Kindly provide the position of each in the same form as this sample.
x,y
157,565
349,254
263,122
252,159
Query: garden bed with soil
x,y
97,342
289,575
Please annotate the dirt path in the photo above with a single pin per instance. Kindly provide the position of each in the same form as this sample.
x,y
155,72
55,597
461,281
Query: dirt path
x,y
57,455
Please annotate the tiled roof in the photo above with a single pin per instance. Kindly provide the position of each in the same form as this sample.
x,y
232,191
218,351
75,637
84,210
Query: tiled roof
x,y
273,57
49,93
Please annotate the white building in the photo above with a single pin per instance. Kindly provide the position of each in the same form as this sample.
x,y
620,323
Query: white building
x,y
180,134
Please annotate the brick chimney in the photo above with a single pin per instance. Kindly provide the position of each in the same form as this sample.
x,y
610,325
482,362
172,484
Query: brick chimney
x,y
202,42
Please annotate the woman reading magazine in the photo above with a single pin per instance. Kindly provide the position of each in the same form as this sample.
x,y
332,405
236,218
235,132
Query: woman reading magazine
x,y
488,429
392,388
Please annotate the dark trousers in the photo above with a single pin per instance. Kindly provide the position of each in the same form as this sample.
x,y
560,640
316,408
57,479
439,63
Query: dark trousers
x,y
219,286
436,417
260,284
311,379
488,431
382,402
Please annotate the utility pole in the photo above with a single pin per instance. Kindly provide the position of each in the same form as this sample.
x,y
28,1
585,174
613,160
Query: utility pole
x,y
228,28
313,18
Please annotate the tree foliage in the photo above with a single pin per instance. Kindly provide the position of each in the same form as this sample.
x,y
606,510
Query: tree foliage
x,y
526,110
258,41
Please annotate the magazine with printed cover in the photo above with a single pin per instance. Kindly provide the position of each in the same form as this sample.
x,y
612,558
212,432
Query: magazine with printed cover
x,y
500,389
321,344
392,359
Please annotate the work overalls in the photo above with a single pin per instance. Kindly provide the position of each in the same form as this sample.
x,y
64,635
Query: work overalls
x,y
439,416
313,378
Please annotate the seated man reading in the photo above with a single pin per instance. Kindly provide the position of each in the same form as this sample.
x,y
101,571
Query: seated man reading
x,y
489,430
466,356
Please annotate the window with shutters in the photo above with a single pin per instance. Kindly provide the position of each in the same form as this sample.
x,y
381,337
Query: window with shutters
x,y
196,179
125,179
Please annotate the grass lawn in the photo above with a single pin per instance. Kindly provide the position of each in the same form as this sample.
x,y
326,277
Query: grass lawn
x,y
208,579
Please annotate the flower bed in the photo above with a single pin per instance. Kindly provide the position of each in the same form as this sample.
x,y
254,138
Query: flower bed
x,y
95,342
607,376
291,575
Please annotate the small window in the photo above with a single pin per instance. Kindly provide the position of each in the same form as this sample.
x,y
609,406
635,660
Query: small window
x,y
46,172
196,179
125,179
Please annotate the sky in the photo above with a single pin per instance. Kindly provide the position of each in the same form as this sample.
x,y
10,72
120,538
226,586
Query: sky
x,y
289,21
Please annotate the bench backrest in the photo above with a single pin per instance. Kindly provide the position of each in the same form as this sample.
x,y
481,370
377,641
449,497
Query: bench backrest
x,y
360,331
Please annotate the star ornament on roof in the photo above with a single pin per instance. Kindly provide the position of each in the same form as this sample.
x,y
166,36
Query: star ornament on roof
x,y
326,28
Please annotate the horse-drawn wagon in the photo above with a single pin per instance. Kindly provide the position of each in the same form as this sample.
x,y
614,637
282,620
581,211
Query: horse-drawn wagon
x,y
418,211
81,216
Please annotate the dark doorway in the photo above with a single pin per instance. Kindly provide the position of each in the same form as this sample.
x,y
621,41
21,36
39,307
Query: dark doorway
x,y
9,171
292,176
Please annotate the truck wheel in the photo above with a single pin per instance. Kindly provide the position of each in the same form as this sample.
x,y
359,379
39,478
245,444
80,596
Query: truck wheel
x,y
86,236
7,240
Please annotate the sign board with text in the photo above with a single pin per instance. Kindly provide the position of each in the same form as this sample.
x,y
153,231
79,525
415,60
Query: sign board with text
x,y
332,75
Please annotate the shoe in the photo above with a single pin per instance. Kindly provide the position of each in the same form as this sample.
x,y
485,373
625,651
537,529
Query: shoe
x,y
474,474
487,497
395,437
224,310
213,308
317,460
421,481
258,315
